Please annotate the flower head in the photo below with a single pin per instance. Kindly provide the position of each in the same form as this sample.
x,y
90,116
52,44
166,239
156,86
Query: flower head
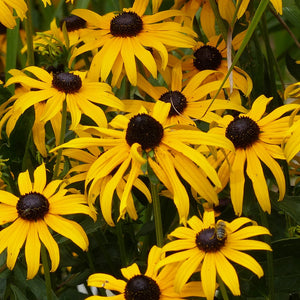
x,y
81,95
153,285
38,207
257,139
128,35
208,245
143,138
212,56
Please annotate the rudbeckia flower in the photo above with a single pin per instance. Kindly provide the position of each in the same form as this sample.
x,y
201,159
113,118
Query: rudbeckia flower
x,y
257,139
212,56
128,35
208,245
166,149
153,284
6,12
38,208
54,88
188,103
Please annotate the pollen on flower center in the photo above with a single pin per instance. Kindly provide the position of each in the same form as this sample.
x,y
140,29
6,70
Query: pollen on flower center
x,y
67,82
126,24
145,130
32,206
141,287
73,23
243,132
207,58
206,240
177,100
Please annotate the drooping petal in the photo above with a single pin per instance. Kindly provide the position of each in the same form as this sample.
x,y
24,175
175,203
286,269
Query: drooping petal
x,y
32,251
69,229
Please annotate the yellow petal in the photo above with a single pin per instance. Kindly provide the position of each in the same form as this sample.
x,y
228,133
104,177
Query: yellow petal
x,y
49,243
208,276
32,251
39,179
24,182
255,173
69,229
131,271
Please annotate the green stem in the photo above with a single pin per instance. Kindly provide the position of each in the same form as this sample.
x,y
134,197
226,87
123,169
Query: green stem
x,y
258,14
61,139
46,272
270,266
29,35
121,243
157,215
223,289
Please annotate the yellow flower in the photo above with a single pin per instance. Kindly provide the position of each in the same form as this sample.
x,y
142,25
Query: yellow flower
x,y
257,139
212,56
209,246
188,103
79,92
145,138
6,12
39,206
129,35
154,284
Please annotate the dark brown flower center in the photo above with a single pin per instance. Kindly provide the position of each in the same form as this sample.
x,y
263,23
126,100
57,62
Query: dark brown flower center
x,y
67,82
207,241
73,23
243,132
126,24
142,287
32,206
177,100
207,58
145,130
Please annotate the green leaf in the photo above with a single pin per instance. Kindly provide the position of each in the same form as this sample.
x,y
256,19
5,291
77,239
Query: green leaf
x,y
18,293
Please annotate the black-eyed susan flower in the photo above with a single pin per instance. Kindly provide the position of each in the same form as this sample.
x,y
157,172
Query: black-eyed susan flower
x,y
132,141
81,95
39,207
128,35
257,138
6,12
208,245
212,56
189,103
152,285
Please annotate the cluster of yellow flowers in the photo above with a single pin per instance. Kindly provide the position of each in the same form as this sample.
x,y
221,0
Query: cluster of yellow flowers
x,y
182,129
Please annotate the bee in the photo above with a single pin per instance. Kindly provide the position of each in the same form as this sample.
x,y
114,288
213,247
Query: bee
x,y
220,230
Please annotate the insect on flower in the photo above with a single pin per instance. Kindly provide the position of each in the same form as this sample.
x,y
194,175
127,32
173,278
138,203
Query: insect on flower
x,y
220,230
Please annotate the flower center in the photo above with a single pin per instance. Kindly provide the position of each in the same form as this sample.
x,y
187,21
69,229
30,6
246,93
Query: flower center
x,y
243,132
207,58
73,23
145,130
126,24
141,287
207,240
177,100
66,82
32,206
